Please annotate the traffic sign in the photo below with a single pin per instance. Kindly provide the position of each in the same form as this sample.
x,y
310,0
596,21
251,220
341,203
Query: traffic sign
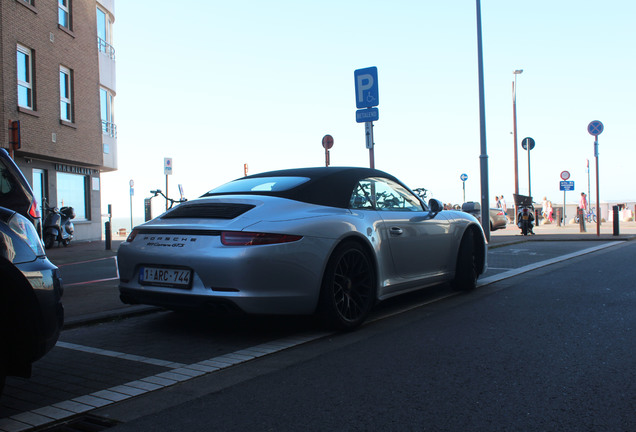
x,y
566,185
527,142
565,175
464,177
367,115
327,142
595,128
167,166
366,87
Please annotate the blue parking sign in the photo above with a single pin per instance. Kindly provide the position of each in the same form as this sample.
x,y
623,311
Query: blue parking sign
x,y
366,87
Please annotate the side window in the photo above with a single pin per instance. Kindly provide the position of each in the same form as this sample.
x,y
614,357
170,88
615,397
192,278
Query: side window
x,y
361,198
383,195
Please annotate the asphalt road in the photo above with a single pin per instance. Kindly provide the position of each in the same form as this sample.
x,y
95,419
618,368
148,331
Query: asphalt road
x,y
548,350
531,349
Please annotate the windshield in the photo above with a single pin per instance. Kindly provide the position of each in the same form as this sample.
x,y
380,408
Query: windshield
x,y
259,184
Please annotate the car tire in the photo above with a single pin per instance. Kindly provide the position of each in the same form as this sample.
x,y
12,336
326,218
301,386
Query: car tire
x,y
348,287
49,239
466,272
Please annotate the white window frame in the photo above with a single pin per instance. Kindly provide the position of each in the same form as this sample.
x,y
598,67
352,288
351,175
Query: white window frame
x,y
26,84
66,100
108,123
64,9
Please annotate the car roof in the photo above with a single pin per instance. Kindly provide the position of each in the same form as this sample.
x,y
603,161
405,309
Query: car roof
x,y
327,186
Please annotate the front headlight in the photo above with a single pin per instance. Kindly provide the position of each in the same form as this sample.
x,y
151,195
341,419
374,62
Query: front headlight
x,y
26,231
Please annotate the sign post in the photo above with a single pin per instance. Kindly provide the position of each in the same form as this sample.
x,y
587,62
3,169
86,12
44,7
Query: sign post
x,y
463,178
595,128
132,192
565,186
528,144
367,97
167,170
327,143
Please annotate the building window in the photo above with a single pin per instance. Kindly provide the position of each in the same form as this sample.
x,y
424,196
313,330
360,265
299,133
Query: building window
x,y
106,108
104,33
25,77
66,103
64,13
72,191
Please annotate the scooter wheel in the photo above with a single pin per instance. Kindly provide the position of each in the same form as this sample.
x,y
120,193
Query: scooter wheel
x,y
66,242
48,241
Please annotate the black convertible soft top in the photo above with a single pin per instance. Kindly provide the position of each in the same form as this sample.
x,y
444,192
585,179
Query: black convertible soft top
x,y
327,186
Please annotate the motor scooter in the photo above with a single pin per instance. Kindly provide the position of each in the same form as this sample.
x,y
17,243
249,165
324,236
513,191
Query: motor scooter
x,y
58,226
525,213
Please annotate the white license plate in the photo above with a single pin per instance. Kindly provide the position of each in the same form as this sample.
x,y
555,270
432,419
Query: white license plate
x,y
165,276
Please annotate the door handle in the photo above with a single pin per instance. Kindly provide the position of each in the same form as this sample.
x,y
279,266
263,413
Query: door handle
x,y
396,231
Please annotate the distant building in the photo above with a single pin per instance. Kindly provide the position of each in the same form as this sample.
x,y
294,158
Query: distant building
x,y
58,81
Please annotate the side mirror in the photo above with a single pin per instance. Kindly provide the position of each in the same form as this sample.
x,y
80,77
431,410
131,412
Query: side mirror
x,y
436,206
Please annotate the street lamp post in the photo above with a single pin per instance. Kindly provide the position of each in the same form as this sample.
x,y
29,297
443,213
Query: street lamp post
x,y
514,130
483,157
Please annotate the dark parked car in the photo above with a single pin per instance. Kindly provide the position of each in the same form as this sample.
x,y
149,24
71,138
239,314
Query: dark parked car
x,y
15,191
31,312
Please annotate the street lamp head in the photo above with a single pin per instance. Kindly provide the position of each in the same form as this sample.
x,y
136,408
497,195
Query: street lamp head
x,y
518,71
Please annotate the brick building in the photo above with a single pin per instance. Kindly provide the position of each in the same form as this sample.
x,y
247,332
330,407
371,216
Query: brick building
x,y
58,81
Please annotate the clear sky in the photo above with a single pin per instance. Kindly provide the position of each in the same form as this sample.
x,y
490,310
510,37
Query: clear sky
x,y
218,84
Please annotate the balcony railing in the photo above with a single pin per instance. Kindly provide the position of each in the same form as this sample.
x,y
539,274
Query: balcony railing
x,y
106,48
109,129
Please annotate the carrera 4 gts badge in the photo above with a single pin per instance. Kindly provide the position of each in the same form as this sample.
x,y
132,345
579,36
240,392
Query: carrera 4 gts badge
x,y
169,241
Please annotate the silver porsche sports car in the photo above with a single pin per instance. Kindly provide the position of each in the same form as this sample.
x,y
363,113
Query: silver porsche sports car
x,y
331,241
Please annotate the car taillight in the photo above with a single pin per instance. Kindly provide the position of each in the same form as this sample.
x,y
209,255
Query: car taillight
x,y
239,238
132,235
34,212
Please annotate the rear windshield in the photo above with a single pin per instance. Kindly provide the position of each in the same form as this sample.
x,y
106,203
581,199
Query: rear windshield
x,y
259,184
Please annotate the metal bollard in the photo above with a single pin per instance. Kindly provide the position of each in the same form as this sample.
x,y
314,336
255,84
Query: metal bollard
x,y
581,213
615,220
109,235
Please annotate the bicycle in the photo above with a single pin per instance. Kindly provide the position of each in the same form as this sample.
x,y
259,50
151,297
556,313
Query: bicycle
x,y
590,215
423,193
170,200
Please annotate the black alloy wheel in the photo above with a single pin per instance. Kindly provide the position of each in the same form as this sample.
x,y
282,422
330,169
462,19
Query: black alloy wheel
x,y
348,287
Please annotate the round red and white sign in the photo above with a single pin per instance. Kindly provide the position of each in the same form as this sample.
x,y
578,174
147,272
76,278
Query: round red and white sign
x,y
565,175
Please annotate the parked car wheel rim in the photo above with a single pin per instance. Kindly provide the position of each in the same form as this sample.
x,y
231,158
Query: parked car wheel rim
x,y
348,287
